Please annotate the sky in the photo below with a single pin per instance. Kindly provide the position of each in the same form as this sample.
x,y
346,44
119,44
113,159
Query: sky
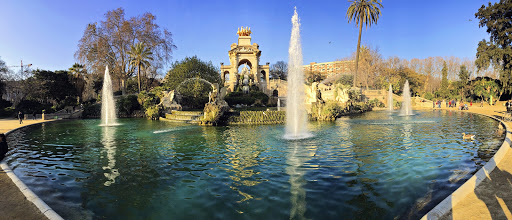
x,y
46,33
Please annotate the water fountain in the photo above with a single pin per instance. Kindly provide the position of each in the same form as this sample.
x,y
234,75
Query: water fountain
x,y
406,103
296,117
390,98
108,107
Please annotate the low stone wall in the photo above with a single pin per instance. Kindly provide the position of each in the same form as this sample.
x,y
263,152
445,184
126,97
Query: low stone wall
x,y
257,117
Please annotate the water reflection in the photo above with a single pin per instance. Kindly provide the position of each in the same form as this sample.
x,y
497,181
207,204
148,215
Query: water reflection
x,y
110,146
407,141
296,158
243,154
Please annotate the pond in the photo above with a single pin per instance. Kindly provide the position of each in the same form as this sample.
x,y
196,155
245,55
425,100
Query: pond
x,y
376,165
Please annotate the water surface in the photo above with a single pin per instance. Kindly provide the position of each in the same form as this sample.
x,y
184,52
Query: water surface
x,y
377,165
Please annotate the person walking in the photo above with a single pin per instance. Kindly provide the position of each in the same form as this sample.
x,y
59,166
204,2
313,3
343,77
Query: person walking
x,y
20,116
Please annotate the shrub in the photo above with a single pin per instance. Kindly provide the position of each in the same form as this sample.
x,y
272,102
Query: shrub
x,y
397,104
153,112
6,109
376,103
147,100
127,104
158,91
354,94
326,111
238,97
258,117
91,110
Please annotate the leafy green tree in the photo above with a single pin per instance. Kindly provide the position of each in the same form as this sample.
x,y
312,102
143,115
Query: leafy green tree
x,y
140,56
464,79
444,82
188,78
191,67
486,87
497,52
52,86
362,12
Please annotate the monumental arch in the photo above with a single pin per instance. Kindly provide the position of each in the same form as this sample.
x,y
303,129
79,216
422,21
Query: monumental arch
x,y
249,54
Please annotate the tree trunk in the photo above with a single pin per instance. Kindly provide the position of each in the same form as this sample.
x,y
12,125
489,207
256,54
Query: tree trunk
x,y
138,75
366,79
123,90
357,52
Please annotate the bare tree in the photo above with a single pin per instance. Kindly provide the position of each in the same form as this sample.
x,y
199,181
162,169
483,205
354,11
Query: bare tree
x,y
109,42
279,70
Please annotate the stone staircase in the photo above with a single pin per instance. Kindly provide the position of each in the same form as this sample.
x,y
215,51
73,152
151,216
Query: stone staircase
x,y
184,116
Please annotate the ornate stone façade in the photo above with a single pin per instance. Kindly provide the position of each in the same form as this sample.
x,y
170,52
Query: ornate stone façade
x,y
245,53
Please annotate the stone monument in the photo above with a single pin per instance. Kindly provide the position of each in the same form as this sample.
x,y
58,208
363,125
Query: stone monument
x,y
249,54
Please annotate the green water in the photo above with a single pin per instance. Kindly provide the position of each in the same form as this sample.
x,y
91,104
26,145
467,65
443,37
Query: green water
x,y
373,166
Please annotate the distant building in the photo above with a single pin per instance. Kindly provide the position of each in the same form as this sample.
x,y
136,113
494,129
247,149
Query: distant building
x,y
329,68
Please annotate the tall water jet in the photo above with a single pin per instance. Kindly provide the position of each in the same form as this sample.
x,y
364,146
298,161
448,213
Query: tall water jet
x,y
296,117
406,103
390,98
108,107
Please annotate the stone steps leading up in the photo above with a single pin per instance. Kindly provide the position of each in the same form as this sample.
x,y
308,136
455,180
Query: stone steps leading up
x,y
189,113
184,116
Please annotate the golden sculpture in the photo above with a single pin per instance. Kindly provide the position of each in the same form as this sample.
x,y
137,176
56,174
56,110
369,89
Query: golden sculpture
x,y
244,32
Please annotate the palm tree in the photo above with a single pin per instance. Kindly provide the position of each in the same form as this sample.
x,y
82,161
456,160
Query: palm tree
x,y
363,12
78,78
140,56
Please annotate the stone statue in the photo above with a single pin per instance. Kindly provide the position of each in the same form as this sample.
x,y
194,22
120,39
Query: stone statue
x,y
169,101
223,92
214,93
315,94
244,31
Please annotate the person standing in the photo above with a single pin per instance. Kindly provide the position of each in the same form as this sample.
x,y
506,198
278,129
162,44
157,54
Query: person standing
x,y
3,146
20,116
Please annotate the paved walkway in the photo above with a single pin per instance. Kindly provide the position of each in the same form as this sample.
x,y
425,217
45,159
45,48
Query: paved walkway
x,y
13,204
492,198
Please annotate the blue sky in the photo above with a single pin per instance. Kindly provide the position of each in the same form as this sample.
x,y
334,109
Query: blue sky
x,y
46,33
